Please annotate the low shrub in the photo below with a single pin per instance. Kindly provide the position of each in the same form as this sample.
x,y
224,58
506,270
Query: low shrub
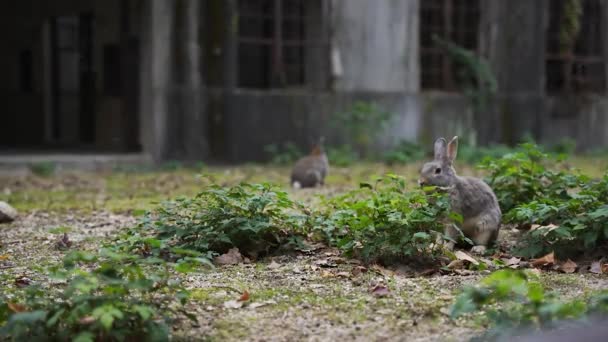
x,y
575,221
527,175
256,218
515,301
382,221
474,154
107,296
566,210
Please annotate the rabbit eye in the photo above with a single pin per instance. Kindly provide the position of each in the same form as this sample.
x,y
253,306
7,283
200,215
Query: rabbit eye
x,y
437,170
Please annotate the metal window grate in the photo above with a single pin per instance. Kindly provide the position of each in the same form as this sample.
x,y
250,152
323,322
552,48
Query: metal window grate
x,y
577,67
453,20
273,39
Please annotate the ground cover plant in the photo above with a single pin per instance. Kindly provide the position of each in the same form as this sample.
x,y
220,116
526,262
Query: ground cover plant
x,y
96,223
95,296
255,218
563,209
516,302
384,220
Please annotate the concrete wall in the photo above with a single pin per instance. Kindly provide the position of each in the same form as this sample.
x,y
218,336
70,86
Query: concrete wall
x,y
377,44
263,118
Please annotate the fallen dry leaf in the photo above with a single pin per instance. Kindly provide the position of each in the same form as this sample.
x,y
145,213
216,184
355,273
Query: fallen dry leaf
x,y
326,274
380,291
343,274
456,264
16,307
357,270
546,228
568,267
460,255
4,257
337,260
274,265
596,267
513,261
547,260
244,296
381,270
237,303
86,320
23,281
232,257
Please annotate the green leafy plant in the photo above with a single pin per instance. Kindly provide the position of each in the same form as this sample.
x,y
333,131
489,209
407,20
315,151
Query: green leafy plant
x,y
474,154
525,175
362,124
382,221
516,300
256,218
474,72
566,210
43,169
283,154
576,221
107,296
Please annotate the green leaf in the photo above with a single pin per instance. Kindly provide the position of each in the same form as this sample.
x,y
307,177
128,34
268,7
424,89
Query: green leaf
x,y
106,315
55,318
145,312
422,235
84,336
28,318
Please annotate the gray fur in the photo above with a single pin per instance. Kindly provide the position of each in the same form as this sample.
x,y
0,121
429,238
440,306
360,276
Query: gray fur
x,y
470,197
310,171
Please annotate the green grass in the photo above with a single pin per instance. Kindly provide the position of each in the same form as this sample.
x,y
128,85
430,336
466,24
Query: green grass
x,y
126,191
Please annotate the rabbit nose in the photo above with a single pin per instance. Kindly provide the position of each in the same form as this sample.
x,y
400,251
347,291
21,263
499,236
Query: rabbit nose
x,y
421,182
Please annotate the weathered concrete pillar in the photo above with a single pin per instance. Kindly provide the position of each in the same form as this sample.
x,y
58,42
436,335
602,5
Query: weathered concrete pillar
x,y
156,76
377,44
193,114
513,40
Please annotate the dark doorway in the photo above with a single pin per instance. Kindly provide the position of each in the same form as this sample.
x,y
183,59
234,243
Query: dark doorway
x,y
72,80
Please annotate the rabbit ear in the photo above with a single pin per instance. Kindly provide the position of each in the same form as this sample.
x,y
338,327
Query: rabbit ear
x,y
453,149
440,149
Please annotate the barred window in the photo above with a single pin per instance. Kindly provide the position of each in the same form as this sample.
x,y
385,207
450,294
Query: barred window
x,y
453,20
574,60
274,37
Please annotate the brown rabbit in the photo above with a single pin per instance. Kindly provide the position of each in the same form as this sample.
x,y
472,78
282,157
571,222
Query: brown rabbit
x,y
310,171
470,197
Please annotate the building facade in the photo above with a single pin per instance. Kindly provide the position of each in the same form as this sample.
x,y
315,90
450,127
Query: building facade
x,y
222,79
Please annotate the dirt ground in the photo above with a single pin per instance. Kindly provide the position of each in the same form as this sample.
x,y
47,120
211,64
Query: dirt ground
x,y
315,296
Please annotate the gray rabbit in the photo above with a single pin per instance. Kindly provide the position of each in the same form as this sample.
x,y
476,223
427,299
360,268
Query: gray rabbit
x,y
310,171
470,197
